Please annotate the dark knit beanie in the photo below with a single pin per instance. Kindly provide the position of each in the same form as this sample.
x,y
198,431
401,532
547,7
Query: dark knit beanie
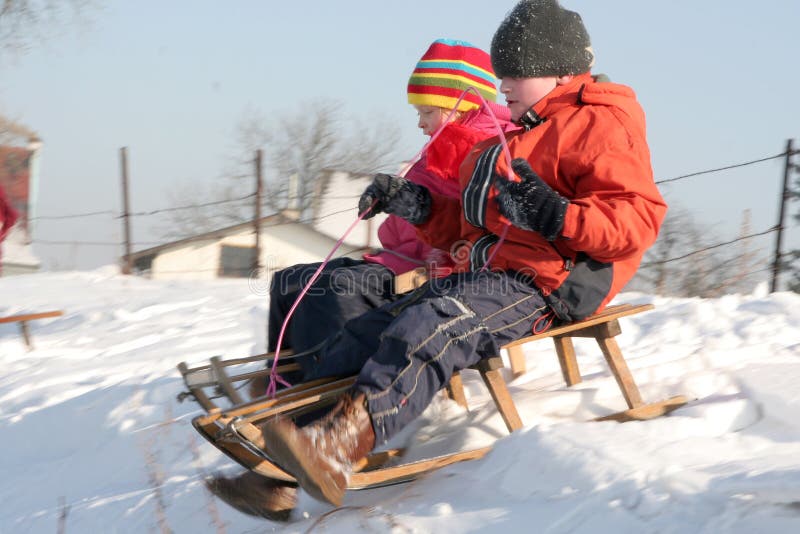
x,y
540,38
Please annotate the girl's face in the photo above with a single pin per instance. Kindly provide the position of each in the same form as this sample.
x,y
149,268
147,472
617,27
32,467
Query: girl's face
x,y
431,118
523,93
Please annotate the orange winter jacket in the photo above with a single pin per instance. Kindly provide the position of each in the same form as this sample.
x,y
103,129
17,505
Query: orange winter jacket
x,y
587,141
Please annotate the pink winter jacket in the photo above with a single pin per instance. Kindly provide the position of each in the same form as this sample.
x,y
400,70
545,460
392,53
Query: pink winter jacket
x,y
438,171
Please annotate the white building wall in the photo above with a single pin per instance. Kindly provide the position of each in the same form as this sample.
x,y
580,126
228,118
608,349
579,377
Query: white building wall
x,y
198,260
16,254
290,244
338,209
282,246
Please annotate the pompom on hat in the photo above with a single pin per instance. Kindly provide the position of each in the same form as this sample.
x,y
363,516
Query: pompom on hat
x,y
539,38
446,70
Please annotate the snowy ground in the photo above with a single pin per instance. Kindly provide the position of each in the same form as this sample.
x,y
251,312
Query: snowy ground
x,y
94,440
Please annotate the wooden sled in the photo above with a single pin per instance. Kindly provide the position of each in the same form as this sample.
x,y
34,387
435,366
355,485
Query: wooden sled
x,y
23,323
234,429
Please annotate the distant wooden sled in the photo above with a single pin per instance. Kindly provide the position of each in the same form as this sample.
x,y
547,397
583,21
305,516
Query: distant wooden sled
x,y
234,429
23,322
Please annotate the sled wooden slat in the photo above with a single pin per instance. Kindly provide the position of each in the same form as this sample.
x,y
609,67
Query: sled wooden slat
x,y
647,411
377,459
197,392
23,319
265,357
575,329
204,375
396,474
208,377
212,375
225,382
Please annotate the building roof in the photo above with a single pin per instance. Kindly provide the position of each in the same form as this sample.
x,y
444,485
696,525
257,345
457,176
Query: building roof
x,y
333,208
270,220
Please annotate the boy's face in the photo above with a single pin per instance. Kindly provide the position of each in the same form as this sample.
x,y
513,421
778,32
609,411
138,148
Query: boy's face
x,y
522,93
431,118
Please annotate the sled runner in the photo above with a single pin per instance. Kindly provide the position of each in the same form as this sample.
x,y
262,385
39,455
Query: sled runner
x,y
23,323
233,428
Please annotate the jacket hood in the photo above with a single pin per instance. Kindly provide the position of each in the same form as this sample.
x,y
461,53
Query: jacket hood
x,y
585,89
481,119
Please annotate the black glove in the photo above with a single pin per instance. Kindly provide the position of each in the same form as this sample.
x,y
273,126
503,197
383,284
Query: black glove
x,y
531,204
397,196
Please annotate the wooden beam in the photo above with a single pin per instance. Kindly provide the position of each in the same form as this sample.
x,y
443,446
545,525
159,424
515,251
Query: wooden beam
x,y
516,359
31,316
502,398
616,362
647,411
612,312
455,390
609,329
566,359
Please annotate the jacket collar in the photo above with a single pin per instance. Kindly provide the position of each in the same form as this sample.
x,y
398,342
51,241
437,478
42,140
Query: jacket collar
x,y
560,97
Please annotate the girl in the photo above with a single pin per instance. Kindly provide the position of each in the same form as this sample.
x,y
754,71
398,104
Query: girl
x,y
348,288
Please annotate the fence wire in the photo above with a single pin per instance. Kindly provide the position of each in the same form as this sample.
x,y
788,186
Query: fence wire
x,y
115,215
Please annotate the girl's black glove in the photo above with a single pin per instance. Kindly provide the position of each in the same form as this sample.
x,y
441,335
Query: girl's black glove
x,y
397,196
531,204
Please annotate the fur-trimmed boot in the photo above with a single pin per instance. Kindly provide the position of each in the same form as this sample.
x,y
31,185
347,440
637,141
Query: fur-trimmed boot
x,y
256,495
320,455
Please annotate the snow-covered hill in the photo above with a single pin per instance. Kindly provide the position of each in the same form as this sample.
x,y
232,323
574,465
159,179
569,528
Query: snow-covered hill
x,y
94,440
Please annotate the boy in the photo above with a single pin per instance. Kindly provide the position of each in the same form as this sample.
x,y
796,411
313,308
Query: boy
x,y
582,213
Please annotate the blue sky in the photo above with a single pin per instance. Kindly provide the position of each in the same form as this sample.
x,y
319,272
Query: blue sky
x,y
170,80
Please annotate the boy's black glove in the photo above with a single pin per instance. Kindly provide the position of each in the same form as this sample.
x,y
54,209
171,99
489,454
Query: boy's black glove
x,y
397,196
531,204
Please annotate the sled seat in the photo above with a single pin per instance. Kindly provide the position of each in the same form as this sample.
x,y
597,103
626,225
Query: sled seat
x,y
23,319
603,327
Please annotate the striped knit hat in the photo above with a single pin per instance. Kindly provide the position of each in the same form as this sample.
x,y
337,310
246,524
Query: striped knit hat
x,y
446,70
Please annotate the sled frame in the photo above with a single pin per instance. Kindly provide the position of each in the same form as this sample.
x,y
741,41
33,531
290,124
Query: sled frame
x,y
234,429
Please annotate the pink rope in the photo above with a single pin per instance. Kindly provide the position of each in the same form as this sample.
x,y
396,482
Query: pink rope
x,y
274,377
506,152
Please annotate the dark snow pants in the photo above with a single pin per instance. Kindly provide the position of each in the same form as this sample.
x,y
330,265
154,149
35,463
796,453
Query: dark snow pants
x,y
345,289
406,351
